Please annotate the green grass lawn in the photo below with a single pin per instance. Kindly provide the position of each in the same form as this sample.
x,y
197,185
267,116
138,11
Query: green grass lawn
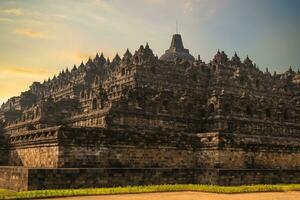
x,y
6,194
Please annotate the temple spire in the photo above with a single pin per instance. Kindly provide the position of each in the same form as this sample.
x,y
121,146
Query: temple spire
x,y
177,43
177,50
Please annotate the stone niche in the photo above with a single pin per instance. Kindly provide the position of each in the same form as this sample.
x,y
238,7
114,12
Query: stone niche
x,y
3,156
3,150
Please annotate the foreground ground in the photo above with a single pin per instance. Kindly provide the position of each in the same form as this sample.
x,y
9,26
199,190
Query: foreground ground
x,y
193,196
286,192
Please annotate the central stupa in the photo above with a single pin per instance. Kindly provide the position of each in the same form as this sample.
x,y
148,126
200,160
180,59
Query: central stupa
x,y
177,51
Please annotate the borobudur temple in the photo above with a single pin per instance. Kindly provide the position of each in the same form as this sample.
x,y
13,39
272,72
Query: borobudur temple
x,y
140,120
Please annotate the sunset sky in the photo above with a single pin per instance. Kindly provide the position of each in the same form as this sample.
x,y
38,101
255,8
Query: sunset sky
x,y
38,38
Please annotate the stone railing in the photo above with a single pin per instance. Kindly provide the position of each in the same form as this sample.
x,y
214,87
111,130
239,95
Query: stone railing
x,y
34,137
253,126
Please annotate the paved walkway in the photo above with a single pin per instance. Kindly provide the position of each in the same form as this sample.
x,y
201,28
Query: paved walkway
x,y
193,196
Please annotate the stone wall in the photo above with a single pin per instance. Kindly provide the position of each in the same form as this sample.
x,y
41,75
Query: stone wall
x,y
93,156
14,178
258,176
240,151
208,158
45,155
98,147
98,157
20,178
258,159
38,148
108,177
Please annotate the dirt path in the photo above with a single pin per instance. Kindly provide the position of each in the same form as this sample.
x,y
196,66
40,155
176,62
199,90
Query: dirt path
x,y
193,196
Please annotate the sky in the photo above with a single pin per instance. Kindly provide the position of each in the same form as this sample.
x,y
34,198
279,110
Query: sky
x,y
38,38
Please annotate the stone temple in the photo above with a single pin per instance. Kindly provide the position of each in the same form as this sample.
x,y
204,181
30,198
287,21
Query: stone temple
x,y
140,120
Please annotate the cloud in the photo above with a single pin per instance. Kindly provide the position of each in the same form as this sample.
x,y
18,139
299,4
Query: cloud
x,y
24,71
98,1
206,9
12,11
14,79
5,20
11,88
103,3
211,12
30,33
82,55
155,1
77,56
188,5
62,16
71,56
